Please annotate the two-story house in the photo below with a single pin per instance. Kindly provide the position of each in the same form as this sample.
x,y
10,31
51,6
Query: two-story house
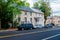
x,y
31,15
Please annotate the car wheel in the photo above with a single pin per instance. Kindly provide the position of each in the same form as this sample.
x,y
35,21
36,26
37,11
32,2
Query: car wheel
x,y
22,29
18,29
31,28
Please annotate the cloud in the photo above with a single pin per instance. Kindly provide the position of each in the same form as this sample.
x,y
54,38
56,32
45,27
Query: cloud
x,y
32,2
55,5
54,1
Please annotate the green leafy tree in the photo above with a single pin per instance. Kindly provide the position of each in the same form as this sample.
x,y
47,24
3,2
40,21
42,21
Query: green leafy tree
x,y
36,5
44,7
27,4
8,8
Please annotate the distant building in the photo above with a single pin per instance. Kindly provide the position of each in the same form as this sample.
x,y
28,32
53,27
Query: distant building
x,y
30,15
49,20
54,19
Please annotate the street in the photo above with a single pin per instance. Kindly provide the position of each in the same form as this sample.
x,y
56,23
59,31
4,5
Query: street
x,y
29,19
35,34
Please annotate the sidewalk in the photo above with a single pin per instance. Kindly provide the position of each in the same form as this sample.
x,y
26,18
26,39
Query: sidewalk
x,y
14,29
8,30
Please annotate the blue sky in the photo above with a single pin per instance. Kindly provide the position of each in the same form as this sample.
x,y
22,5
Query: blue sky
x,y
55,5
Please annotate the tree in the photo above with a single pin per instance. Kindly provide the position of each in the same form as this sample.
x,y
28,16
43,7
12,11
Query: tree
x,y
36,5
44,7
8,8
27,4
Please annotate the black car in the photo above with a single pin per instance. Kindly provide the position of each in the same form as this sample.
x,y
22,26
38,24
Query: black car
x,y
25,26
49,25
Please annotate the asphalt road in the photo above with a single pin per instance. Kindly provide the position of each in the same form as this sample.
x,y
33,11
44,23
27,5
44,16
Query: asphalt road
x,y
36,34
55,38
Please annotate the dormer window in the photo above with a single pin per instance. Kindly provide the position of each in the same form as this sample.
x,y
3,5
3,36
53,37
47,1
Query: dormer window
x,y
25,13
30,13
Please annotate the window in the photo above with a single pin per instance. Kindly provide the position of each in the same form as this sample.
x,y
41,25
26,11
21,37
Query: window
x,y
25,19
30,13
31,20
18,18
59,17
25,13
39,14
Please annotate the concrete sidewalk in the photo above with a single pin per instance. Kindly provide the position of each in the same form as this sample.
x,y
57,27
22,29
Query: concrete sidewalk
x,y
40,29
8,30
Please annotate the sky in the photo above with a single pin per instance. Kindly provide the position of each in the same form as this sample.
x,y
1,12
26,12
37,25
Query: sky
x,y
55,5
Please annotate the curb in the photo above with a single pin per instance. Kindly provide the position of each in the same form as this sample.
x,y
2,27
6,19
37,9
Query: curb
x,y
17,29
8,30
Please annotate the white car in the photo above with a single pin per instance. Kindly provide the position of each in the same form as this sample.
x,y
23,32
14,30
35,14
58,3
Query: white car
x,y
38,26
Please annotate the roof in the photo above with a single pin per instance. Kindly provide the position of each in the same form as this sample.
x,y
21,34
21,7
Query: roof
x,y
25,8
36,10
49,17
30,9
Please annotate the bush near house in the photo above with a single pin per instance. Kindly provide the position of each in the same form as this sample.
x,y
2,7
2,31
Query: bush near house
x,y
15,24
5,26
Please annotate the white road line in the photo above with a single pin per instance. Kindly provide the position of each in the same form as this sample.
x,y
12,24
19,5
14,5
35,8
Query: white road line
x,y
51,37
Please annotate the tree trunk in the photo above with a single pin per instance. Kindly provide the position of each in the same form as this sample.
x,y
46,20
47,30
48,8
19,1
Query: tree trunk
x,y
45,21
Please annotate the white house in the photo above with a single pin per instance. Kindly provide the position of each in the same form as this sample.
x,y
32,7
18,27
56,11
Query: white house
x,y
31,15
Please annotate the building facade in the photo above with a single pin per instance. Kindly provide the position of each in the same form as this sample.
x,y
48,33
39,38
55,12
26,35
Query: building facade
x,y
30,15
54,19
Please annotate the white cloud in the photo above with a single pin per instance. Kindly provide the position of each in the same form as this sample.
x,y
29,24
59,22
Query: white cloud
x,y
32,2
55,5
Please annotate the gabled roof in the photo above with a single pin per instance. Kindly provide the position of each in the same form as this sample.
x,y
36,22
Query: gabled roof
x,y
25,8
36,10
30,9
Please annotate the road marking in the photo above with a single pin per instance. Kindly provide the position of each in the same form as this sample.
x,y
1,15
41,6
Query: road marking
x,y
24,33
51,37
19,34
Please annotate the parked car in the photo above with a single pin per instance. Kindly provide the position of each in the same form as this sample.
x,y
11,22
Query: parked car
x,y
49,25
38,26
25,26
